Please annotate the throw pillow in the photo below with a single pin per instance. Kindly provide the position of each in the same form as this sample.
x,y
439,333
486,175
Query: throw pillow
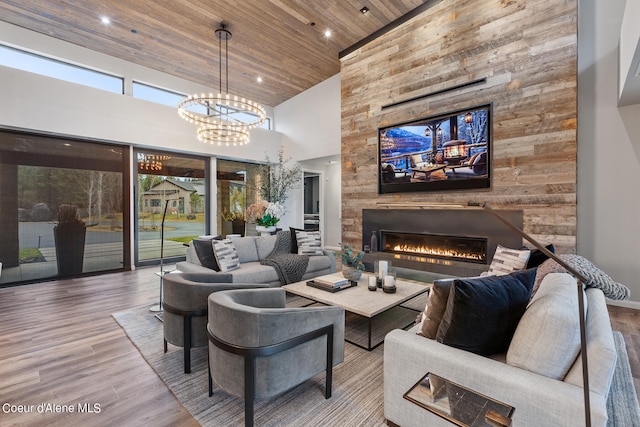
x,y
507,260
436,305
547,339
226,255
294,240
483,313
537,257
204,251
309,243
549,266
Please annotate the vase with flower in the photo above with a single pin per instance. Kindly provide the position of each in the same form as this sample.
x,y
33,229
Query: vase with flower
x,y
266,215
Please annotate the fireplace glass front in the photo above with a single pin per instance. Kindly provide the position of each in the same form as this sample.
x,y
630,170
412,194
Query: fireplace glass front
x,y
458,248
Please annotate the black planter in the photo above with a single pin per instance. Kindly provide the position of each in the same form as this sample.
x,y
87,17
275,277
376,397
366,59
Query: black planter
x,y
69,241
238,227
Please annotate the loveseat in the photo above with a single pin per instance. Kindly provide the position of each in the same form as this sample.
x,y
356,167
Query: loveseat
x,y
540,374
251,250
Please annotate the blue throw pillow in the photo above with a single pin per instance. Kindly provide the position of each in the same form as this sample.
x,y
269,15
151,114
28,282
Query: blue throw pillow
x,y
482,313
537,257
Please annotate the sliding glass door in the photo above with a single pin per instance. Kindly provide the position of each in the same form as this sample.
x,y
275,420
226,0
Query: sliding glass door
x,y
42,180
171,204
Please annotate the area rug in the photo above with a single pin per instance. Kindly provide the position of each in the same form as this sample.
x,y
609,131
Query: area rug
x,y
622,404
357,398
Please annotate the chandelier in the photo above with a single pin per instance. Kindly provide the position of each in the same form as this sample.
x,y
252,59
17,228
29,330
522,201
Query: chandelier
x,y
222,119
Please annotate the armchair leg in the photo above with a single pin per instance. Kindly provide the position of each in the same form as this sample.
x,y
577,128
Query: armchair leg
x,y
165,345
329,376
249,389
186,321
210,379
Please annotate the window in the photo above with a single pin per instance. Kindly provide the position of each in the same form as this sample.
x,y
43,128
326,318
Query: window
x,y
33,63
161,96
171,191
172,99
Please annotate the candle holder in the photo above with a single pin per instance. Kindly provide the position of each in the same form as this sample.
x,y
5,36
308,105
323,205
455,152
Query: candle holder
x,y
389,282
372,286
380,269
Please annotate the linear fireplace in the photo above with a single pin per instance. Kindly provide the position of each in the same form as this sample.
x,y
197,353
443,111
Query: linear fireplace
x,y
457,242
458,248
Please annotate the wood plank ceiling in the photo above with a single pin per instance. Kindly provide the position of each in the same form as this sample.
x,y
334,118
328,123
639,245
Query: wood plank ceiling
x,y
281,41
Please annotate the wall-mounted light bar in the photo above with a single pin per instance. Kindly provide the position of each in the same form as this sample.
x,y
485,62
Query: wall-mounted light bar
x,y
438,92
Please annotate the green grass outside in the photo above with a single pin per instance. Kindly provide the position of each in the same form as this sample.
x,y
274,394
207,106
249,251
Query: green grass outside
x,y
29,255
185,239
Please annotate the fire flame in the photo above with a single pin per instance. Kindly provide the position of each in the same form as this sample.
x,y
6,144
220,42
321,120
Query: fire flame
x,y
426,250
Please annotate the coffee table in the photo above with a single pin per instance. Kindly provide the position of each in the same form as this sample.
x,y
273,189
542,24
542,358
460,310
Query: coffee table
x,y
361,301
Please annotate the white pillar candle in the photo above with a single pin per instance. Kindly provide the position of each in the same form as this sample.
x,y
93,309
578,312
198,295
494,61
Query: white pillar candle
x,y
372,281
389,281
383,267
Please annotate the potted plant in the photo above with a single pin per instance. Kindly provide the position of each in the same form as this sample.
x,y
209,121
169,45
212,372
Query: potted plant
x,y
276,180
234,222
69,236
352,265
266,215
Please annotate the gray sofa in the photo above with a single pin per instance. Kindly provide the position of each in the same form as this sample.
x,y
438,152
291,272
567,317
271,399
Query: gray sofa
x,y
538,399
251,250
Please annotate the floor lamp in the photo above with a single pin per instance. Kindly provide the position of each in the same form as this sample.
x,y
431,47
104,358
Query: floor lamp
x,y
580,281
158,307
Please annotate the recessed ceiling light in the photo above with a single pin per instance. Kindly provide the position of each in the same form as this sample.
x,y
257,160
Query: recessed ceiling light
x,y
364,10
105,20
327,33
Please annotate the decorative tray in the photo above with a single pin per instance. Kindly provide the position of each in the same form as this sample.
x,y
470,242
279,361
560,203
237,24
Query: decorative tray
x,y
330,288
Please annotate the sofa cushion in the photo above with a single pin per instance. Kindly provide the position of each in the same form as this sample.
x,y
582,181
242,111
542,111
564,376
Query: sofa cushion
x,y
246,248
309,243
483,313
318,263
204,252
507,260
254,272
601,348
265,245
226,255
436,306
547,339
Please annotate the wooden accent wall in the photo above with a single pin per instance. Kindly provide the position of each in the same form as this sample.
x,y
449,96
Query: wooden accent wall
x,y
527,50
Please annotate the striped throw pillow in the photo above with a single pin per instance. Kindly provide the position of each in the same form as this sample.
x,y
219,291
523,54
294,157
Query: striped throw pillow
x,y
309,243
507,261
226,255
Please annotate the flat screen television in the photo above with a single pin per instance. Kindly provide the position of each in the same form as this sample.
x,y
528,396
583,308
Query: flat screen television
x,y
451,151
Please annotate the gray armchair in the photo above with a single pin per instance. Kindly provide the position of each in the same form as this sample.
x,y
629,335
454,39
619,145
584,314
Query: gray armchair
x,y
258,348
186,306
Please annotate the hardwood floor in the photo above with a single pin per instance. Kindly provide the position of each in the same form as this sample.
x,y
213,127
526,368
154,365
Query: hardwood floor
x,y
59,345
